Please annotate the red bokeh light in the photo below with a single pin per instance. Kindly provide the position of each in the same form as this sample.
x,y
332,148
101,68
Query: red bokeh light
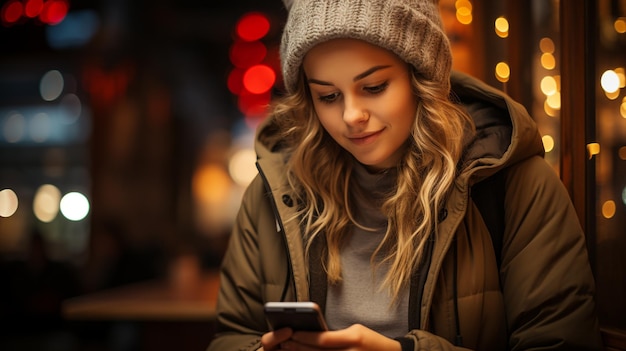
x,y
244,54
252,26
253,74
235,81
12,11
32,8
54,11
254,105
259,79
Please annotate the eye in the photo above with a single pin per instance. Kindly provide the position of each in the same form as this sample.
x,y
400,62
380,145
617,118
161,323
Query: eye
x,y
377,89
329,98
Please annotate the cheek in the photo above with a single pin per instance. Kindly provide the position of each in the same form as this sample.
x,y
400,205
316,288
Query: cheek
x,y
409,104
326,117
403,109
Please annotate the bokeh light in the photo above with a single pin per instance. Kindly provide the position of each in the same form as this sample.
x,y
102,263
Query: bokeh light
x,y
32,8
46,202
8,203
259,79
463,11
620,25
211,184
51,85
11,12
548,142
14,128
72,108
549,110
622,153
546,45
74,206
242,166
548,61
612,95
54,11
610,81
608,209
503,72
554,101
253,105
621,74
548,85
502,27
252,26
593,149
244,54
39,127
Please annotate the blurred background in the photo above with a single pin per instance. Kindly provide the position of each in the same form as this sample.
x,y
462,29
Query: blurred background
x,y
127,140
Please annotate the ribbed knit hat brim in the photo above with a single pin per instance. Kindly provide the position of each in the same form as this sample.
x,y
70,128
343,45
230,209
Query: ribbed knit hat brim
x,y
411,29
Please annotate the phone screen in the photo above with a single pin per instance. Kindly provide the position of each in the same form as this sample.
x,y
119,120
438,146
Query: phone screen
x,y
303,316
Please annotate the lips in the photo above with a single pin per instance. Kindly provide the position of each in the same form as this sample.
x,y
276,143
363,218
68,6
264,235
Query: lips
x,y
364,138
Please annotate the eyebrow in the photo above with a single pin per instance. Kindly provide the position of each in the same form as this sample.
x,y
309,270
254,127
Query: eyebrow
x,y
356,78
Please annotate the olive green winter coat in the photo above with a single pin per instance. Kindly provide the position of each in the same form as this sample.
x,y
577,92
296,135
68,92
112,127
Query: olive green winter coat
x,y
539,298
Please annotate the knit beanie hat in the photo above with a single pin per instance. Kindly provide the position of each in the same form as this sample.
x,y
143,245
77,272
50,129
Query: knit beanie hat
x,y
411,29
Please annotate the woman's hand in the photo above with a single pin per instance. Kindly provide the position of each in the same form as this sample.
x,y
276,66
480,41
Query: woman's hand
x,y
355,338
272,340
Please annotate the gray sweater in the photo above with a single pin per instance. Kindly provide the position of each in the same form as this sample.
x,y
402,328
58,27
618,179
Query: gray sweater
x,y
358,297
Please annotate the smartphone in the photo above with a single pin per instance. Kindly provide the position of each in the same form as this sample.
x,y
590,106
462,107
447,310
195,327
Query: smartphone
x,y
302,316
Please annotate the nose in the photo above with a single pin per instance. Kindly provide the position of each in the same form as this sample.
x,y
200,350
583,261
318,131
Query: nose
x,y
354,112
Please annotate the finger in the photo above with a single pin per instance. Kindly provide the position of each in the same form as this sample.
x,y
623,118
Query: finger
x,y
270,340
343,338
334,339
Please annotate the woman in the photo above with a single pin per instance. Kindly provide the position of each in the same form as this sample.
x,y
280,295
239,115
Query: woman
x,y
363,201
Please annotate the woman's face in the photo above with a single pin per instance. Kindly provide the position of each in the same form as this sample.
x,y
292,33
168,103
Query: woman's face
x,y
363,98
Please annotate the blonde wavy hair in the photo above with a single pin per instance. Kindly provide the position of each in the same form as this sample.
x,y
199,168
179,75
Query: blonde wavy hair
x,y
320,174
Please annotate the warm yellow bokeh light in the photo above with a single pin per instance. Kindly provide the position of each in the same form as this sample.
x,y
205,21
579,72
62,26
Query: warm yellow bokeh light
x,y
242,166
612,96
610,81
211,184
548,142
503,72
620,25
622,108
502,27
593,149
622,153
548,85
549,110
463,3
554,101
548,61
46,203
546,45
464,19
8,203
608,209
621,74
463,11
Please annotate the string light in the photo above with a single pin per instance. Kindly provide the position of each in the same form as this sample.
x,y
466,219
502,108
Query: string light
x,y
503,72
593,149
502,27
